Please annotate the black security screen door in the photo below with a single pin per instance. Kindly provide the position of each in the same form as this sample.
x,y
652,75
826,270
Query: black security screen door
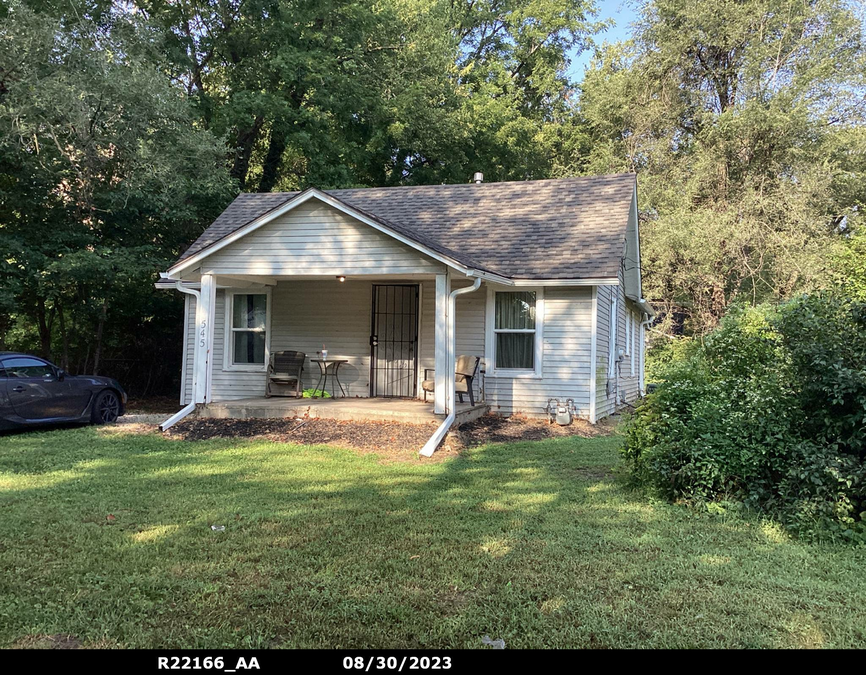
x,y
394,341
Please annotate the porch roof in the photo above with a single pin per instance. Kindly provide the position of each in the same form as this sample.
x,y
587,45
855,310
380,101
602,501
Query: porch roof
x,y
569,228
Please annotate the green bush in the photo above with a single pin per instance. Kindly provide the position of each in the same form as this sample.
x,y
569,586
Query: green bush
x,y
664,351
769,409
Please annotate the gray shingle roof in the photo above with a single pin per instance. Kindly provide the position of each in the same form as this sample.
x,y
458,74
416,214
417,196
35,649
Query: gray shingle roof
x,y
568,228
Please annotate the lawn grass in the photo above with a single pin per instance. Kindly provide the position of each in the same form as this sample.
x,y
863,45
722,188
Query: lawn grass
x,y
536,543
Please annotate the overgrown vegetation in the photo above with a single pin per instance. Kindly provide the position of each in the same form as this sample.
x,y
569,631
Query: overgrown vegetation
x,y
106,537
125,127
769,409
744,122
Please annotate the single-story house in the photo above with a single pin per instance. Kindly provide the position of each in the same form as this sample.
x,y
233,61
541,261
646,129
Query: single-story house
x,y
549,270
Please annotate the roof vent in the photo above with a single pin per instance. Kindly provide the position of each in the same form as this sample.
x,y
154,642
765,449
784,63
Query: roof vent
x,y
478,177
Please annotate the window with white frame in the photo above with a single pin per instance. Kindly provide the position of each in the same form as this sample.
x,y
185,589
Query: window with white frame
x,y
515,330
248,326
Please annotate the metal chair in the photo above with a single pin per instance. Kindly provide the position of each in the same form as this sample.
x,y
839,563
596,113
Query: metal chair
x,y
285,368
465,372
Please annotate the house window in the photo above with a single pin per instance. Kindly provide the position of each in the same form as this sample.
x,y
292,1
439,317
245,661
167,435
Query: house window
x,y
514,330
248,326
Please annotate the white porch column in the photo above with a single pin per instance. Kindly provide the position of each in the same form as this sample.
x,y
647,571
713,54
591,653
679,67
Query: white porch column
x,y
203,353
443,288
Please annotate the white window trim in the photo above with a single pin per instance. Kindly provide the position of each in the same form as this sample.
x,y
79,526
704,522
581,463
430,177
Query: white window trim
x,y
490,335
627,330
227,348
632,335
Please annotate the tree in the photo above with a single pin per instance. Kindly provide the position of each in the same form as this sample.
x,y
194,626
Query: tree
x,y
338,94
104,176
740,119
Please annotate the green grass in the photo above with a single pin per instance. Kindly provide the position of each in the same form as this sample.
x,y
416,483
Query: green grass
x,y
536,543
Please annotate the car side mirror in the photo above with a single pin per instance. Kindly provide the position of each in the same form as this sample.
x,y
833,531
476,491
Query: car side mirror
x,y
61,374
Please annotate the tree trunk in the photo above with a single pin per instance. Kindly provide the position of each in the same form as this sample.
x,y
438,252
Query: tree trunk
x,y
82,368
64,357
246,139
44,324
97,349
274,158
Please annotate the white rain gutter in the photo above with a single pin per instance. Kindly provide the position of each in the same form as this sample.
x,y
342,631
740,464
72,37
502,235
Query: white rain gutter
x,y
187,409
450,377
647,308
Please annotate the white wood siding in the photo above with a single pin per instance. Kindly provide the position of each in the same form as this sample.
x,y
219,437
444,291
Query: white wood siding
x,y
629,384
610,393
470,327
604,401
306,314
565,359
230,384
189,344
427,337
315,238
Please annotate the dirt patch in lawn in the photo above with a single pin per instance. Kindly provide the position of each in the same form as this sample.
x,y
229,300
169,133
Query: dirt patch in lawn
x,y
47,642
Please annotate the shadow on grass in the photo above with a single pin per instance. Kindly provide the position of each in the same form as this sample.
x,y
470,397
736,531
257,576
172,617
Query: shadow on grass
x,y
108,537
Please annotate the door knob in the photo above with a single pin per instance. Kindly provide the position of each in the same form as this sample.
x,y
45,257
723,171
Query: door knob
x,y
19,388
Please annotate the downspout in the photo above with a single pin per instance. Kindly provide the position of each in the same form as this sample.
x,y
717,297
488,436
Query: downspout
x,y
431,445
187,409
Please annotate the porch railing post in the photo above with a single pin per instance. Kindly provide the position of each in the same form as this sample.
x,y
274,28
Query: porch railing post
x,y
205,312
443,289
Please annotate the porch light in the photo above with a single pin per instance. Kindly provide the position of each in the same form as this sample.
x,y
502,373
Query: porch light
x,y
341,278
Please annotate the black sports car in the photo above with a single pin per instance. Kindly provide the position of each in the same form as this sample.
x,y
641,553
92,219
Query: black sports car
x,y
34,392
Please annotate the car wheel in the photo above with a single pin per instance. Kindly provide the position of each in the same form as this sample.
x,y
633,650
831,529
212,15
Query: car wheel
x,y
106,408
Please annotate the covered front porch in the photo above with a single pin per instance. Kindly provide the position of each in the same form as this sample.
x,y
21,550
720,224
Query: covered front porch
x,y
317,276
409,411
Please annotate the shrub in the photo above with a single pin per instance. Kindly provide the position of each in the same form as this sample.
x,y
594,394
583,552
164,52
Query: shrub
x,y
664,351
769,409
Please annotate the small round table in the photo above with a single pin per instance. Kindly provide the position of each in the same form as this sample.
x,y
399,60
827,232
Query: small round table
x,y
325,369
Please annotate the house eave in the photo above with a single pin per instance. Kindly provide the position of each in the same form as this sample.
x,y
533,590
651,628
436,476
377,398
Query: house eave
x,y
174,272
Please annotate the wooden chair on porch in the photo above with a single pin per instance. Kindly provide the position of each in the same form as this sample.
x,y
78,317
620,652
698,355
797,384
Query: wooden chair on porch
x,y
285,369
465,371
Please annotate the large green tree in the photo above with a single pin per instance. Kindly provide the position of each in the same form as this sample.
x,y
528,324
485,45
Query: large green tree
x,y
104,176
745,123
348,92
125,127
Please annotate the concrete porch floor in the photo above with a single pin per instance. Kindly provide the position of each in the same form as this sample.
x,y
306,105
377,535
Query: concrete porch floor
x,y
410,411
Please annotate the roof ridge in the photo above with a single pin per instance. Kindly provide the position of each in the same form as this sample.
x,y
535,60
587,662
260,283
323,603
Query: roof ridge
x,y
565,227
534,181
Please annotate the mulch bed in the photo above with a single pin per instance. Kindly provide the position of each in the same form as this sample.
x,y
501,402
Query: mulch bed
x,y
394,440
380,437
495,429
